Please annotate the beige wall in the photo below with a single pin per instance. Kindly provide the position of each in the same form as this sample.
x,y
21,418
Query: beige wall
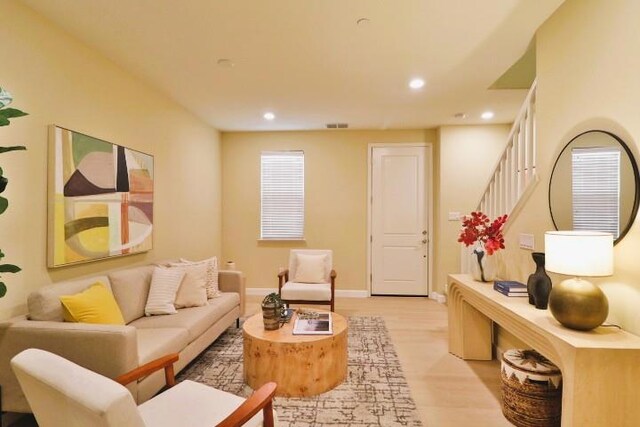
x,y
335,199
467,157
336,192
59,80
587,71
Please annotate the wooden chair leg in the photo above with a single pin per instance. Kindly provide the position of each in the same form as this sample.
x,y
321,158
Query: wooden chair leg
x,y
267,416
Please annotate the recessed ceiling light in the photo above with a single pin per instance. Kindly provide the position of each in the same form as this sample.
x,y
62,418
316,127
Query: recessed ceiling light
x,y
460,115
269,115
487,115
363,22
225,63
416,83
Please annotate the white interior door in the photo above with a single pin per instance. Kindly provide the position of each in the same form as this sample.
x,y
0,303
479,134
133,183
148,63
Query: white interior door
x,y
399,220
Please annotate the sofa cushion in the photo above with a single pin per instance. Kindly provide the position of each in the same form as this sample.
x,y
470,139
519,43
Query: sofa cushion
x,y
131,288
306,291
44,303
93,305
162,291
193,404
310,268
213,289
195,319
157,342
192,291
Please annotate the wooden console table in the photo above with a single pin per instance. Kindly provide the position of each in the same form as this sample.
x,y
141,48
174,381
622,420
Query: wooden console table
x,y
600,368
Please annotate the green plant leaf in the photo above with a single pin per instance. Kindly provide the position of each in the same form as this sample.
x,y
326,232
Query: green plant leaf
x,y
1,254
4,121
4,204
12,112
3,290
9,268
14,148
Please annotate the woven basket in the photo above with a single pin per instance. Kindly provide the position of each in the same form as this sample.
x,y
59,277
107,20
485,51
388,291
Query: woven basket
x,y
531,389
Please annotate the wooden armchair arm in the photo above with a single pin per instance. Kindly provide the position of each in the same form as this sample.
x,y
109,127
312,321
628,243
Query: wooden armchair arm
x,y
283,277
165,362
333,275
261,399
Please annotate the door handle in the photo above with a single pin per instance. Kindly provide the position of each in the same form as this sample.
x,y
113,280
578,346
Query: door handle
x,y
424,241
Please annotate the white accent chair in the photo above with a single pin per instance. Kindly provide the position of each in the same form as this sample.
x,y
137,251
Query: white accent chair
x,y
63,394
318,292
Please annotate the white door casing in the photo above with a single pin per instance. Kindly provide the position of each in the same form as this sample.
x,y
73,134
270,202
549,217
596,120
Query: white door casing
x,y
400,189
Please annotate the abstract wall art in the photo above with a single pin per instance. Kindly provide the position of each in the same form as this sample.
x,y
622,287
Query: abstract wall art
x,y
100,199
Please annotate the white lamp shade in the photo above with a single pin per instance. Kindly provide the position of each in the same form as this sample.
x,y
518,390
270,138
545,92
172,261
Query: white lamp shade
x,y
579,253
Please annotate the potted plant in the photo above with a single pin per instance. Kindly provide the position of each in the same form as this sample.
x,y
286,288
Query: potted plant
x,y
479,229
7,113
272,307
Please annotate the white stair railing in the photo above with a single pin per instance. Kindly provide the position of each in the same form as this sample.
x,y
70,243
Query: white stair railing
x,y
515,175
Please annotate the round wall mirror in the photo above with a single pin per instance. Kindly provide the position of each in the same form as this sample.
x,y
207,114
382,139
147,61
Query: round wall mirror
x,y
594,185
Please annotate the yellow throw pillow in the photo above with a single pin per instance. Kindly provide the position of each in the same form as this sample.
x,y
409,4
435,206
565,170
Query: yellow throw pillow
x,y
93,305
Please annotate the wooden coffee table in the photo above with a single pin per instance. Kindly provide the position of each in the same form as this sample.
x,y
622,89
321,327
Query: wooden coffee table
x,y
301,365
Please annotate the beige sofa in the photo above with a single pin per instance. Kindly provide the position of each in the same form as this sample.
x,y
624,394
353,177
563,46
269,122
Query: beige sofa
x,y
112,350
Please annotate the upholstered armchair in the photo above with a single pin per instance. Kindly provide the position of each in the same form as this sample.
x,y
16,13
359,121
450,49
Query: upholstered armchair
x,y
310,278
63,394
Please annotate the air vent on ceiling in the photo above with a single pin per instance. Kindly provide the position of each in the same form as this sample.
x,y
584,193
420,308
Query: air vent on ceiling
x,y
337,125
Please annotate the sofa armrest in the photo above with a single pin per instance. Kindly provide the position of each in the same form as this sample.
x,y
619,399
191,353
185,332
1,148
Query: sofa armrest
x,y
109,350
233,281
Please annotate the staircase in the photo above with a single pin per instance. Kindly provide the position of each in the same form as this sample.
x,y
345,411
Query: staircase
x,y
514,177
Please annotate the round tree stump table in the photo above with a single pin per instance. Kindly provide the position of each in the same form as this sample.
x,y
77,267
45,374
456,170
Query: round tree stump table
x,y
301,365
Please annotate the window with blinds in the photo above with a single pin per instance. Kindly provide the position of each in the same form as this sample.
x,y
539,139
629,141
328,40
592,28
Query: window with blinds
x,y
596,189
282,195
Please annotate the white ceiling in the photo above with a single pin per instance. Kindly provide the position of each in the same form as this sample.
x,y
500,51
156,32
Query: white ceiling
x,y
309,62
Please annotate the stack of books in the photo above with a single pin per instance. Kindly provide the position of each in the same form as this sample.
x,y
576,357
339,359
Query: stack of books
x,y
510,288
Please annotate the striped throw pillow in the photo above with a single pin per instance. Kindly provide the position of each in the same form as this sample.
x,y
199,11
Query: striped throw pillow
x,y
162,293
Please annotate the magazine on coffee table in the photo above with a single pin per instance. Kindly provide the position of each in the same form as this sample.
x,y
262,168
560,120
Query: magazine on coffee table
x,y
321,325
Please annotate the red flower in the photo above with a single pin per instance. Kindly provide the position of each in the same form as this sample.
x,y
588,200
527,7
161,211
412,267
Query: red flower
x,y
477,227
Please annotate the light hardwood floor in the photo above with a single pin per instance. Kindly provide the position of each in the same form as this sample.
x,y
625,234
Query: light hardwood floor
x,y
448,391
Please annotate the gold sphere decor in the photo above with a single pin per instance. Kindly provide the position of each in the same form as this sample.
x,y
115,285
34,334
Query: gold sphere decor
x,y
578,304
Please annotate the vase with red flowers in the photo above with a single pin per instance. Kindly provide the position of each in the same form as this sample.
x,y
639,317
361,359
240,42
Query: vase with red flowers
x,y
479,229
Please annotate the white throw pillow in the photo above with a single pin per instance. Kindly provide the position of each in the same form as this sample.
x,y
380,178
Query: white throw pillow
x,y
211,285
162,293
310,268
192,291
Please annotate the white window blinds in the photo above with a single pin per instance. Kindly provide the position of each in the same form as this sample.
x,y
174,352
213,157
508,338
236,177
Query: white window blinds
x,y
282,195
596,189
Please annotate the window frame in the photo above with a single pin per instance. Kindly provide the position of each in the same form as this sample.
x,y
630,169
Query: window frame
x,y
595,186
273,217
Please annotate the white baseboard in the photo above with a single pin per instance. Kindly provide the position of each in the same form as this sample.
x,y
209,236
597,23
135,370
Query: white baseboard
x,y
351,293
260,291
342,293
441,298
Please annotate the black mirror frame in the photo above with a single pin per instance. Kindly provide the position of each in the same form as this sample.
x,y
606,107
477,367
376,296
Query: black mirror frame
x,y
636,176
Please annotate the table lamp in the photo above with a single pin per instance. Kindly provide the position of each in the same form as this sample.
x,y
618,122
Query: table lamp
x,y
577,303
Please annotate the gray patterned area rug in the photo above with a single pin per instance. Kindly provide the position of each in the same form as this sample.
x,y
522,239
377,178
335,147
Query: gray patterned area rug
x,y
375,392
